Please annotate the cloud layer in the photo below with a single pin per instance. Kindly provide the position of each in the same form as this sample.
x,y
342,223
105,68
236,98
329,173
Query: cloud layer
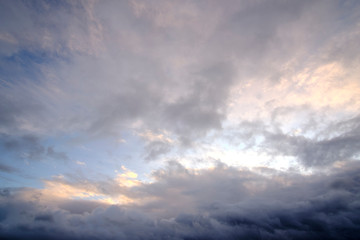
x,y
222,203
179,119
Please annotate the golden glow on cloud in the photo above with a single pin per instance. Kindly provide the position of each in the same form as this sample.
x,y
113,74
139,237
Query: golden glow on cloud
x,y
128,178
64,190
150,136
330,87
59,188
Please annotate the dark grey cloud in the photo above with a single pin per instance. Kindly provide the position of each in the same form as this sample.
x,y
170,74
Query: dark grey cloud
x,y
29,147
204,107
276,206
7,169
155,149
56,155
16,107
44,217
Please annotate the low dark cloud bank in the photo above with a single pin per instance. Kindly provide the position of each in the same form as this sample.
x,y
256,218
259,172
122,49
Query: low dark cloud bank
x,y
221,203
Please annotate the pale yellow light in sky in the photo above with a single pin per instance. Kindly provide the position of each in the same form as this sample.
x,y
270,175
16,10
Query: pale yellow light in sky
x,y
58,188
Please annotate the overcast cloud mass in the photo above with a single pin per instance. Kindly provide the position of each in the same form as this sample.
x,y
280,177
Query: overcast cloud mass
x,y
180,119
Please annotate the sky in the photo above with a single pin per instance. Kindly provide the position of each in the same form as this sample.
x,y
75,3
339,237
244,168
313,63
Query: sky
x,y
179,119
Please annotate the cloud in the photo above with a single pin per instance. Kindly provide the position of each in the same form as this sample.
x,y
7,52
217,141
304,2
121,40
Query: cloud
x,y
315,153
30,147
37,26
312,144
7,169
156,149
108,68
204,107
56,155
323,150
181,80
17,112
80,163
157,144
27,146
223,202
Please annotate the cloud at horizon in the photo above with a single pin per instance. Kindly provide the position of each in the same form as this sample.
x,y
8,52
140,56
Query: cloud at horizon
x,y
187,204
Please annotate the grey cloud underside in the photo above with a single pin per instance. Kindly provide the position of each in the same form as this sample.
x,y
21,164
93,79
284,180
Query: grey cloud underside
x,y
339,141
156,149
315,153
15,111
262,207
29,147
322,151
7,169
